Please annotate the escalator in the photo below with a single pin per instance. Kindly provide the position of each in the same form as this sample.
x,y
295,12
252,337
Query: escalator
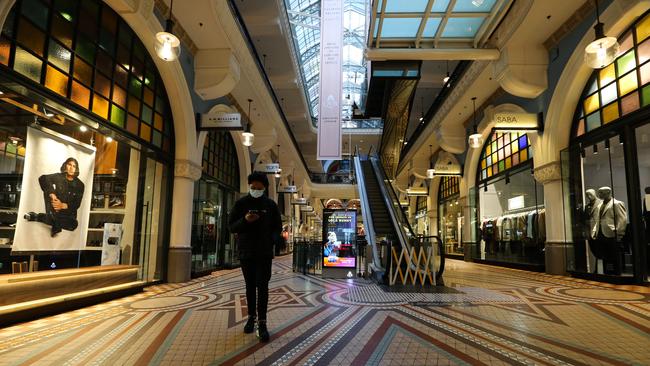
x,y
386,222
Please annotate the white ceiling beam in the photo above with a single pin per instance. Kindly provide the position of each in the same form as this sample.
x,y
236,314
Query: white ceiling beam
x,y
433,54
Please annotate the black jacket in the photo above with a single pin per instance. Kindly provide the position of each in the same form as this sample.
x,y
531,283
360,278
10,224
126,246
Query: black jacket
x,y
67,191
255,239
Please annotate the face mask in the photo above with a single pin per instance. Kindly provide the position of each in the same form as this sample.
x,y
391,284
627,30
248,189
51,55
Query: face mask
x,y
256,193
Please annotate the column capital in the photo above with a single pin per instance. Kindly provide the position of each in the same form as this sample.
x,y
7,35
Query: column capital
x,y
548,173
187,169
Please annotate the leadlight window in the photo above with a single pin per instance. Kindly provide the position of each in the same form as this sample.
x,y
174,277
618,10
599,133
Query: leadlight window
x,y
620,88
421,204
503,151
220,159
84,51
449,188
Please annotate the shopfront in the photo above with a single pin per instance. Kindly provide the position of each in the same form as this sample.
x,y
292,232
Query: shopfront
x,y
450,216
86,143
511,215
606,169
421,224
213,246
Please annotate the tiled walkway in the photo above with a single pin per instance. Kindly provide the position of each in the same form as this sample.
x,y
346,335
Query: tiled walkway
x,y
489,316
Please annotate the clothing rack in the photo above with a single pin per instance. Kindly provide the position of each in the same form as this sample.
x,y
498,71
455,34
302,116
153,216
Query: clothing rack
x,y
523,209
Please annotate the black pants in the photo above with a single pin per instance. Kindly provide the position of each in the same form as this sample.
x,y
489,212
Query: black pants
x,y
56,219
257,273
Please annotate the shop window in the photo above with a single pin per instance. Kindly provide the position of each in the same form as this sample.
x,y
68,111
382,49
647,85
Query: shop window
x,y
511,214
450,216
220,159
125,189
613,91
106,56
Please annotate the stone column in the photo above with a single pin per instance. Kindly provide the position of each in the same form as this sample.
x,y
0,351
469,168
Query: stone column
x,y
180,251
556,248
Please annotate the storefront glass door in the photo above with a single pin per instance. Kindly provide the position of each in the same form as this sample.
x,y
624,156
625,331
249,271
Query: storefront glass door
x,y
643,157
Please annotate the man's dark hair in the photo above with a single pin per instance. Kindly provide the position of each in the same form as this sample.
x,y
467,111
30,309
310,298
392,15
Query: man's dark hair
x,y
258,177
76,166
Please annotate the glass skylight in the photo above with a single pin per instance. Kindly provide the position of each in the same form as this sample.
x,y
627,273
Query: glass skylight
x,y
304,18
432,23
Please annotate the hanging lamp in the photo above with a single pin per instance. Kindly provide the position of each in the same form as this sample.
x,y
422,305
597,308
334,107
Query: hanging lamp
x,y
168,46
603,50
475,139
247,135
445,80
278,173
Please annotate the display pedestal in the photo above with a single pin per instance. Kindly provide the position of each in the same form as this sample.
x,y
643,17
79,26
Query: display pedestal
x,y
333,272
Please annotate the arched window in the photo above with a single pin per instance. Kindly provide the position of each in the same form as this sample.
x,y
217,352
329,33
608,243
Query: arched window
x,y
449,188
220,159
503,151
85,52
620,88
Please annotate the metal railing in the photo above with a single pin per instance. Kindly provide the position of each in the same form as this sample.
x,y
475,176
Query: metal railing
x,y
333,178
307,257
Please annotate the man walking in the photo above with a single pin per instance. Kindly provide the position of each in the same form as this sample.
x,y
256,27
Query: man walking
x,y
256,220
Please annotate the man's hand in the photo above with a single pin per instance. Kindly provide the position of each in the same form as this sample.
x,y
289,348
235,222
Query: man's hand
x,y
251,217
57,205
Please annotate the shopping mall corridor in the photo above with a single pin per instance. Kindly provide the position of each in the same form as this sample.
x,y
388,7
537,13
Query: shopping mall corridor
x,y
486,315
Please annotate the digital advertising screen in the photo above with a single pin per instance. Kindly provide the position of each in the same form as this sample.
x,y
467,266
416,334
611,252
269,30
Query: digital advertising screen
x,y
339,236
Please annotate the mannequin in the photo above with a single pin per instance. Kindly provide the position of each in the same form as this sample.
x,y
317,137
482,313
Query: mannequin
x,y
611,229
612,217
592,211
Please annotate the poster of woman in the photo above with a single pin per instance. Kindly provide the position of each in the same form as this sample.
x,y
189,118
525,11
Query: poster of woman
x,y
339,231
55,203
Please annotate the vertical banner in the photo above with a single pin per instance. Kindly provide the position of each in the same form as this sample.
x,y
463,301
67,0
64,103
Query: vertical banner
x,y
339,238
56,194
329,108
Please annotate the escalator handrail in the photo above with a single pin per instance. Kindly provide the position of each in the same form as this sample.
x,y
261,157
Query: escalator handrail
x,y
366,213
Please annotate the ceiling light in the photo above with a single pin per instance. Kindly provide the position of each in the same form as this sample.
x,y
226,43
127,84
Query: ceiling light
x,y
430,172
168,46
83,128
595,149
475,139
109,139
603,50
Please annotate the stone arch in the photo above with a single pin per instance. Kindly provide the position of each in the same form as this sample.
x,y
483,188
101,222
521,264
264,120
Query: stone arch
x,y
473,155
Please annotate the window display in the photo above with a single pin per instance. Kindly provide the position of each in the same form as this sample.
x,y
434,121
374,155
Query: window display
x,y
512,218
450,216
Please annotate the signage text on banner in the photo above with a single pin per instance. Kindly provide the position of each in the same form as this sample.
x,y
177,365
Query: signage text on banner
x,y
329,108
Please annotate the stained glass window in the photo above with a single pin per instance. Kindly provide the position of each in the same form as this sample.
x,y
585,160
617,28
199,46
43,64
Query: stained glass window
x,y
449,188
620,88
220,159
84,51
503,151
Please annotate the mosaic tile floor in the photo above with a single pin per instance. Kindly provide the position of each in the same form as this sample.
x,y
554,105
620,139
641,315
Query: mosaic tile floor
x,y
490,316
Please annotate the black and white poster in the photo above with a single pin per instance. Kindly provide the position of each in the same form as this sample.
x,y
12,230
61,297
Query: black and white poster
x,y
55,203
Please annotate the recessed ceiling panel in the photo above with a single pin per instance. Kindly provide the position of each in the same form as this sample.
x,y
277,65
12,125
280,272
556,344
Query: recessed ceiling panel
x,y
462,27
400,27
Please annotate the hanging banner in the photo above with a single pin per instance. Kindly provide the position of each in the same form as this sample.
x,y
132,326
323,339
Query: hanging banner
x,y
329,108
299,201
56,194
271,168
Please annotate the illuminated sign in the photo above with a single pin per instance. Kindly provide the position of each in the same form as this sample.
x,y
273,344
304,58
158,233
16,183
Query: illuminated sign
x,y
517,121
339,236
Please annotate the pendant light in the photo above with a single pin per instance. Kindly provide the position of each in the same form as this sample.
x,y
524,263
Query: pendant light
x,y
430,171
279,171
248,136
445,80
168,46
475,139
602,51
